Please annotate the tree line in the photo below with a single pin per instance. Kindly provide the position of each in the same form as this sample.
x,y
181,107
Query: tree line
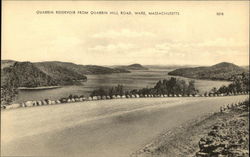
x,y
240,84
167,86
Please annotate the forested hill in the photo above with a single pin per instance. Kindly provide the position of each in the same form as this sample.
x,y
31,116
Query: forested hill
x,y
27,74
81,69
133,67
221,71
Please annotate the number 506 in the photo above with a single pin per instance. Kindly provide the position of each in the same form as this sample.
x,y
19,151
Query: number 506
x,y
219,13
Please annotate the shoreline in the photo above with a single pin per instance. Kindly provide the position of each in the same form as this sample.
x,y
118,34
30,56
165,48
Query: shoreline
x,y
200,79
38,88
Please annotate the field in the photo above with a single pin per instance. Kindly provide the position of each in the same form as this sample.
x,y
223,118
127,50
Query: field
x,y
133,80
111,128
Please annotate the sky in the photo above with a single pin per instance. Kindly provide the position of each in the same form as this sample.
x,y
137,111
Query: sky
x,y
197,36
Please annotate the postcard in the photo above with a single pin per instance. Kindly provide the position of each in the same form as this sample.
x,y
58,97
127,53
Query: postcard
x,y
125,78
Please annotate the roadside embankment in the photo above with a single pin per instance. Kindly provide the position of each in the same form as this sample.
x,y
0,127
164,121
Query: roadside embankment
x,y
229,137
225,132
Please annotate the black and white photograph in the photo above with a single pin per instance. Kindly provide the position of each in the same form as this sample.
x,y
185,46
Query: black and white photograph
x,y
124,78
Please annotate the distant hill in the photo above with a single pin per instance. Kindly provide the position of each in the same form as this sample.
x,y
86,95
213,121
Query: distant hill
x,y
245,67
133,67
81,69
6,63
27,74
167,67
221,71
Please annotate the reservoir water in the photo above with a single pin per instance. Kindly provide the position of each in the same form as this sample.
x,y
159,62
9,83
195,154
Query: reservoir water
x,y
134,80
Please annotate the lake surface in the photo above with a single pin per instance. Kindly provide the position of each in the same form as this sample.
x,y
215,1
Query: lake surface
x,y
133,80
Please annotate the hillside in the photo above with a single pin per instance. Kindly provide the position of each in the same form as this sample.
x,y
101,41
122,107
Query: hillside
x,y
63,75
221,71
245,67
25,74
80,69
133,67
6,63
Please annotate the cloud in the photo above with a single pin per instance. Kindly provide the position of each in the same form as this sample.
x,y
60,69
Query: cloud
x,y
173,51
123,33
217,45
66,41
186,50
113,47
222,42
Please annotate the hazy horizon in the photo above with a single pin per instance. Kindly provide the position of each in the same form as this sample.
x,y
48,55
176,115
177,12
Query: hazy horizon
x,y
195,37
124,64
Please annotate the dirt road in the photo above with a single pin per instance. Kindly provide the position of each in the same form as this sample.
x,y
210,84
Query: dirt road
x,y
112,128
